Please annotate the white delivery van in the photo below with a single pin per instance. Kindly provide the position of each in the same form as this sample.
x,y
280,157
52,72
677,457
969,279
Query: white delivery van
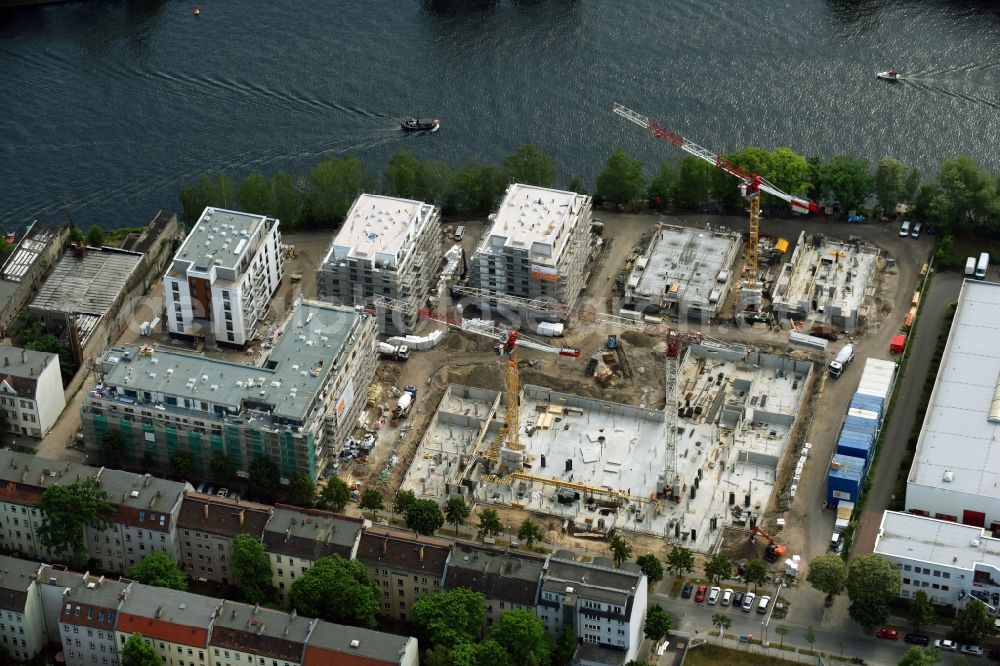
x,y
844,358
984,263
970,267
459,233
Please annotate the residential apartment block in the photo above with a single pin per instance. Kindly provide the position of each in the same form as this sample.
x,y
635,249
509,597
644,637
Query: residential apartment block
x,y
537,246
508,580
296,409
31,390
22,623
176,624
206,528
386,247
294,538
403,567
349,646
222,278
243,635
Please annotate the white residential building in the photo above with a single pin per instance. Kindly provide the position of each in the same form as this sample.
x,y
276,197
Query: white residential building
x,y
956,468
221,280
31,390
22,622
386,247
949,561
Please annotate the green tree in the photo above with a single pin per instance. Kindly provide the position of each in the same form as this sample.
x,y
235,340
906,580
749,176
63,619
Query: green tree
x,y
680,561
846,179
401,176
973,622
264,477
691,189
911,186
137,652
221,468
287,200
782,630
789,171
180,464
890,183
918,656
195,198
755,573
718,568
489,523
529,532
160,570
334,496
478,187
456,512
722,621
68,509
487,653
970,194
95,237
256,195
251,569
828,574
402,501
872,581
302,490
652,567
944,254
530,166
424,517
565,647
658,623
921,612
111,445
332,186
521,634
810,636
622,181
576,185
75,234
661,187
336,590
451,617
371,499
621,550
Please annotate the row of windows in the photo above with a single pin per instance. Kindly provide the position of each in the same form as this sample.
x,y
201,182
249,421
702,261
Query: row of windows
x,y
25,404
924,583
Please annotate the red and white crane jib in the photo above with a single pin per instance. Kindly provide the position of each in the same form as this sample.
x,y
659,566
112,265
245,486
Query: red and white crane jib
x,y
750,183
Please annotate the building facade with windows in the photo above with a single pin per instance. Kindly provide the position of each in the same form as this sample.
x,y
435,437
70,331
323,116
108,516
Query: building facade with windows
x,y
296,409
403,567
294,538
508,580
206,528
221,280
245,635
537,246
178,625
22,622
386,247
31,390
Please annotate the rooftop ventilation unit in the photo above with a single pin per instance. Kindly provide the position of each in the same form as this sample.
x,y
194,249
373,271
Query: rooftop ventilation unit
x,y
994,415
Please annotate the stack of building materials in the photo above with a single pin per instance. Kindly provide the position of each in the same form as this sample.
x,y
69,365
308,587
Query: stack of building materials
x,y
792,565
859,432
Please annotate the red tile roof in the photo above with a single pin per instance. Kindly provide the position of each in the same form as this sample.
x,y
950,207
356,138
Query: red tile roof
x,y
164,631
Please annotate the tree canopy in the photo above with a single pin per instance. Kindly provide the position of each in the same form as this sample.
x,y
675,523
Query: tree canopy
x,y
334,496
622,182
846,180
180,464
680,560
336,590
159,569
489,523
522,635
66,511
872,581
529,532
755,573
921,611
221,468
918,656
828,574
402,501
302,490
264,477
890,183
658,623
111,445
973,622
451,617
137,652
530,166
95,236
424,517
718,568
621,550
652,567
251,569
371,499
456,511
487,653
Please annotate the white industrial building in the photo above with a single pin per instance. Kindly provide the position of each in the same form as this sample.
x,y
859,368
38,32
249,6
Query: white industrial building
x,y
956,469
221,280
31,390
949,561
537,246
386,247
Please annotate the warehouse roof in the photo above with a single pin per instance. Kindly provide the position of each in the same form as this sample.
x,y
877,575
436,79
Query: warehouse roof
x,y
536,220
220,237
86,281
909,536
959,448
379,228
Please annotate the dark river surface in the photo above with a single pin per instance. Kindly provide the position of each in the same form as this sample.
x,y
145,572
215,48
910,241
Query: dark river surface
x,y
110,106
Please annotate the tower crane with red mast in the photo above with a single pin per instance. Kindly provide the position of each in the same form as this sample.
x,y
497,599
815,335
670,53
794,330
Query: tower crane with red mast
x,y
751,185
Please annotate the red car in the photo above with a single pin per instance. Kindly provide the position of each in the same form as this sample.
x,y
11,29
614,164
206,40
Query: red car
x,y
888,634
699,594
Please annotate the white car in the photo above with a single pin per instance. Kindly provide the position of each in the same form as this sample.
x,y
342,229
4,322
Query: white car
x,y
713,595
748,602
763,603
905,229
727,596
972,650
945,644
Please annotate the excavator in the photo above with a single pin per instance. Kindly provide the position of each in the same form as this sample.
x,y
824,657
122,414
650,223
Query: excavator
x,y
774,550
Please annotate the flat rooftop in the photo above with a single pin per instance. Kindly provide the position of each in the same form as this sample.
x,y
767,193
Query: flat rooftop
x,y
379,229
86,283
221,238
906,535
306,345
956,436
685,265
535,220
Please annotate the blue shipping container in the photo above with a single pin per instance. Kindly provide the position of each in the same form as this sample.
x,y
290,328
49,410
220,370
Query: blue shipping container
x,y
870,402
856,448
846,476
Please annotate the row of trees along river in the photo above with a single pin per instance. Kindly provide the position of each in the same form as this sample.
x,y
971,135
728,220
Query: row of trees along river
x,y
961,201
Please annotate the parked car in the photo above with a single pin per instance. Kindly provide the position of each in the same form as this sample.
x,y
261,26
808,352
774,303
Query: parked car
x,y
699,594
917,639
763,603
887,634
905,229
916,230
748,601
713,595
686,591
945,644
737,599
972,650
727,596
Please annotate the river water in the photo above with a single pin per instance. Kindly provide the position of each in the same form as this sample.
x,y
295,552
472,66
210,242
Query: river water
x,y
109,106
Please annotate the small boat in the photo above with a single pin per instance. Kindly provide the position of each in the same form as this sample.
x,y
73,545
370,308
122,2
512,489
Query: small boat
x,y
415,125
891,75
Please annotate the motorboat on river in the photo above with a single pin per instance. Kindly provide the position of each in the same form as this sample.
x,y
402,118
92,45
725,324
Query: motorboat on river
x,y
415,125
